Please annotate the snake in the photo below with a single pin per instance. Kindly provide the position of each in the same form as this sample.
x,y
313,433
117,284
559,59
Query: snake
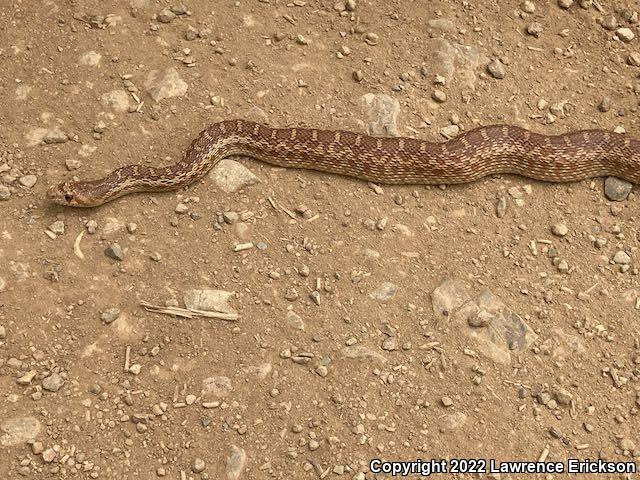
x,y
470,156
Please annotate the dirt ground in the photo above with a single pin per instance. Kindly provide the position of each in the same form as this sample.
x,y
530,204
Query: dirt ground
x,y
347,345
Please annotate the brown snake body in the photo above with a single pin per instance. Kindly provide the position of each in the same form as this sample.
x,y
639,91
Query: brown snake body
x,y
468,157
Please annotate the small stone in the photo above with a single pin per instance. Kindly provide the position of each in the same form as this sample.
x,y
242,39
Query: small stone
x,y
565,3
446,401
439,96
72,164
135,369
501,207
625,34
605,104
114,251
496,69
559,229
627,444
28,181
534,29
357,75
53,382
166,16
371,39
390,344
198,465
49,455
450,131
181,208
57,227
110,315
5,193
37,448
634,59
621,258
610,22
350,5
617,189
55,136
528,6
563,397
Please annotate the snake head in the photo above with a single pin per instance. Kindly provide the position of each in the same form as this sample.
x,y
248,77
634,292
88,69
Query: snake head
x,y
69,194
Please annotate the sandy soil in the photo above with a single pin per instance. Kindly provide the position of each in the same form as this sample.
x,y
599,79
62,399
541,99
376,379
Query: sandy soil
x,y
341,352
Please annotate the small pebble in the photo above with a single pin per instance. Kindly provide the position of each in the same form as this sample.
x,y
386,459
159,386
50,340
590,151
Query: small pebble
x,y
496,69
625,34
559,229
28,181
114,251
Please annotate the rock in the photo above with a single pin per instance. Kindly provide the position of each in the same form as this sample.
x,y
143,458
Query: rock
x,y
198,465
216,386
559,229
634,59
49,455
114,251
161,84
528,6
57,227
363,352
384,110
72,164
90,59
18,430
236,462
449,296
534,29
627,444
621,258
454,421
28,181
617,189
384,292
295,321
55,135
449,60
232,176
390,344
117,100
3,284
565,3
625,34
563,397
165,16
439,96
110,315
496,69
450,131
5,193
53,382
504,331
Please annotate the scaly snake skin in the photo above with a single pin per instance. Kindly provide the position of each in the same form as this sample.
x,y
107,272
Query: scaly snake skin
x,y
468,157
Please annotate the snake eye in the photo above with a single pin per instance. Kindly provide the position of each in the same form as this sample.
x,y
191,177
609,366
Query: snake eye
x,y
68,197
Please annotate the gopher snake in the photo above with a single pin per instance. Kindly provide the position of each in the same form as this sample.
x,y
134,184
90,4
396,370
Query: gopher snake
x,y
468,157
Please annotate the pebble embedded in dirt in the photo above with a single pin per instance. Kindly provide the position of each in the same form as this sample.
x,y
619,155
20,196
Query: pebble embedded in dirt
x,y
53,382
617,189
114,251
496,69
